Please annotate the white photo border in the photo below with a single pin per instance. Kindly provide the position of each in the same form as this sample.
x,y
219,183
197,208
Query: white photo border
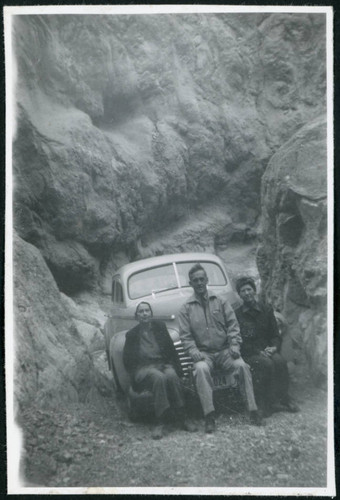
x,y
13,432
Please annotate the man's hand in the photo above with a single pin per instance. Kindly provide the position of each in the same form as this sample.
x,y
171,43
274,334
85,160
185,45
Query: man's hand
x,y
197,356
236,340
270,350
234,351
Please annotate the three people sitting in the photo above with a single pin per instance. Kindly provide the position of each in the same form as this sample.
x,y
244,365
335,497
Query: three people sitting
x,y
214,336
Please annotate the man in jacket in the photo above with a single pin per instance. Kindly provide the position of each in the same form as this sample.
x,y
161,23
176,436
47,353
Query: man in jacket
x,y
261,344
151,360
210,335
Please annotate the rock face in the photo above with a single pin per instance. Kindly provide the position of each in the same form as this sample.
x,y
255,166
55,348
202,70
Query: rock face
x,y
292,259
132,125
53,364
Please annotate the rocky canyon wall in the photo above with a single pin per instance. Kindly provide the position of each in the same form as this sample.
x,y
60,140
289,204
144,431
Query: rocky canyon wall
x,y
53,365
292,258
132,128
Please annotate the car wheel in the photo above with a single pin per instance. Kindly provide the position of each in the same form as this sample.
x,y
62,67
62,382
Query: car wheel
x,y
131,409
119,391
108,359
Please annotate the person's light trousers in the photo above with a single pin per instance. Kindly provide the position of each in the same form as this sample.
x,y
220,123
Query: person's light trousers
x,y
236,369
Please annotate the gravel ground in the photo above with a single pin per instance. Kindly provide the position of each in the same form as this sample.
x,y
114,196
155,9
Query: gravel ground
x,y
95,445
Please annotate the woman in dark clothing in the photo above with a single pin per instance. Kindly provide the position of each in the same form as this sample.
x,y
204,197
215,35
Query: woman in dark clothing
x,y
151,360
260,349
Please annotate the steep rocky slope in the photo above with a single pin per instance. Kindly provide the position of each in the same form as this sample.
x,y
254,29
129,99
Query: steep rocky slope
x,y
292,259
54,365
128,125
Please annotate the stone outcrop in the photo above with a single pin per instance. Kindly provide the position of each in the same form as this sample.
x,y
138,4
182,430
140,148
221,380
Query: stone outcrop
x,y
129,125
53,364
292,259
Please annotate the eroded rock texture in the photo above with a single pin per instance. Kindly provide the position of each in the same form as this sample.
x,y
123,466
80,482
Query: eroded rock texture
x,y
53,364
293,257
134,128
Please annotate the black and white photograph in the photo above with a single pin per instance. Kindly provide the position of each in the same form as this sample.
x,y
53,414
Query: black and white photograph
x,y
169,242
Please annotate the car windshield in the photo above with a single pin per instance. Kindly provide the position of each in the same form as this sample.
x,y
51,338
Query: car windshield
x,y
151,281
162,278
215,274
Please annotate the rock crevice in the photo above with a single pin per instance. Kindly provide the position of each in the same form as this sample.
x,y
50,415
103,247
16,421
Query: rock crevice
x,y
292,258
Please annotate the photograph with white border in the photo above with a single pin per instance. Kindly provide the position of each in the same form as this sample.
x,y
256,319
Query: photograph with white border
x,y
169,250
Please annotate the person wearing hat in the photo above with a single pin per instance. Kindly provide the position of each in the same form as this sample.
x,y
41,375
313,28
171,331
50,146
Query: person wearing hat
x,y
151,359
260,348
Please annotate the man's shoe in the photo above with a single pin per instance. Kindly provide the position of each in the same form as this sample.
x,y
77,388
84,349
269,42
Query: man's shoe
x,y
188,426
158,431
183,421
210,424
256,419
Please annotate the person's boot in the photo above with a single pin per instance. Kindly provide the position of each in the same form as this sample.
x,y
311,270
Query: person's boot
x,y
290,406
256,419
158,431
184,422
266,410
277,407
161,421
210,424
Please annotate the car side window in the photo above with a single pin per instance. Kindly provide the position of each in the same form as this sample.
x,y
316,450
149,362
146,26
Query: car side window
x,y
117,292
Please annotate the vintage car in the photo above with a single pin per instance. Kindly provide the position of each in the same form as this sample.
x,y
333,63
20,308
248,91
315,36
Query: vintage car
x,y
163,282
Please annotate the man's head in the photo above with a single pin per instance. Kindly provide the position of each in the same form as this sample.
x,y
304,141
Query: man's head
x,y
143,312
198,279
246,289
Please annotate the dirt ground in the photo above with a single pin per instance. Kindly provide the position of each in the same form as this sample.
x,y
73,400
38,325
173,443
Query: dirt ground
x,y
94,444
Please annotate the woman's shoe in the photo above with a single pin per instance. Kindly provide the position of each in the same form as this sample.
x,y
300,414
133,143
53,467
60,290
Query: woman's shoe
x,y
210,424
290,406
256,419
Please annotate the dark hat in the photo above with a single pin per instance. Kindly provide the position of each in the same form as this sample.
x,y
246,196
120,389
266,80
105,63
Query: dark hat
x,y
245,280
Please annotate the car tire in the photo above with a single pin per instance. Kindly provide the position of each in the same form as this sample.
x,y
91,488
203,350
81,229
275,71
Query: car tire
x,y
131,409
115,381
108,359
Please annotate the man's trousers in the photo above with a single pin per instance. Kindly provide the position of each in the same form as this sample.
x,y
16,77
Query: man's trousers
x,y
237,369
162,380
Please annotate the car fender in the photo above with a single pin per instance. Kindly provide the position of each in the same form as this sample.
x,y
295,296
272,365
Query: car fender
x,y
116,359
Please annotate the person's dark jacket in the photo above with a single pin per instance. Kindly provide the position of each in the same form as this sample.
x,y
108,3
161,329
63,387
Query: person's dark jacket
x,y
131,353
258,328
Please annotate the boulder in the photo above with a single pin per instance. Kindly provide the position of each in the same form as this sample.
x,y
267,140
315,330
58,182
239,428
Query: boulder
x,y
86,308
52,363
292,258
